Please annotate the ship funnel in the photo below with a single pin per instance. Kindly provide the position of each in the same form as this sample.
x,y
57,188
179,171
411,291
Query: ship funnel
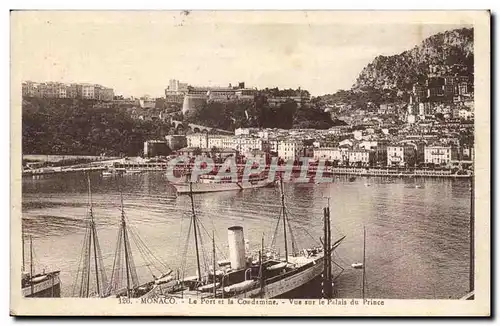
x,y
236,243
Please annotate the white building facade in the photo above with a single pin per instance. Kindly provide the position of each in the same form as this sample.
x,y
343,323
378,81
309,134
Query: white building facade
x,y
439,155
290,149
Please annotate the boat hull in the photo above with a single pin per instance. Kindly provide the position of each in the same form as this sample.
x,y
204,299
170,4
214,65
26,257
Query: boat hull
x,y
48,288
199,187
287,284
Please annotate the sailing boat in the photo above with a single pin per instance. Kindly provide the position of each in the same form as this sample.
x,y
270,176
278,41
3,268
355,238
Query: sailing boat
x,y
91,249
41,284
132,288
268,277
364,256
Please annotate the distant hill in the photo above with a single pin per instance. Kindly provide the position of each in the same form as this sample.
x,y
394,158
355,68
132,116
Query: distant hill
x,y
403,70
389,78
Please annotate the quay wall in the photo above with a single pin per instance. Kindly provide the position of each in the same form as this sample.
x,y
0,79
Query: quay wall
x,y
57,158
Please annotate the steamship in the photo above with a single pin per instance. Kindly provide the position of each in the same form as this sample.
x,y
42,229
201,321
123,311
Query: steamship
x,y
212,183
267,275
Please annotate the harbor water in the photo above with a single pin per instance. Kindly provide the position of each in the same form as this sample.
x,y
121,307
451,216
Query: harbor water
x,y
417,229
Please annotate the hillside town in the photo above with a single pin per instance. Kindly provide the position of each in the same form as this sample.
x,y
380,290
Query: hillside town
x,y
433,129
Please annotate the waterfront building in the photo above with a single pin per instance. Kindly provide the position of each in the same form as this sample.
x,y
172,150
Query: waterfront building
x,y
379,148
220,141
330,153
290,149
245,145
197,140
440,155
207,152
401,155
360,157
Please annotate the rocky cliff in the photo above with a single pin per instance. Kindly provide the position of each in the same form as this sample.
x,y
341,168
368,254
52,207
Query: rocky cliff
x,y
454,48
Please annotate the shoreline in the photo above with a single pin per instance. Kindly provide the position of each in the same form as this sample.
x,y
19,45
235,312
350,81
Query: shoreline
x,y
361,172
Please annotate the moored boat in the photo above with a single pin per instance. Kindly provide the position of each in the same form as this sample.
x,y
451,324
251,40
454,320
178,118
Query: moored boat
x,y
133,171
124,280
268,276
212,183
45,284
107,173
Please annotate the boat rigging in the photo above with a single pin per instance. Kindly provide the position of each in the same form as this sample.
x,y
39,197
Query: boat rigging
x,y
268,276
90,249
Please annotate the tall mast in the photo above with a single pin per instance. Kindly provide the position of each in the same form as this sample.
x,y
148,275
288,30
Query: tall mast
x,y
195,230
329,258
93,236
364,248
88,265
31,266
90,199
23,253
284,218
215,274
327,281
261,263
95,263
325,250
125,244
471,236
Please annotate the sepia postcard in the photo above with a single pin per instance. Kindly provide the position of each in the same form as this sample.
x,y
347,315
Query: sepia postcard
x,y
250,163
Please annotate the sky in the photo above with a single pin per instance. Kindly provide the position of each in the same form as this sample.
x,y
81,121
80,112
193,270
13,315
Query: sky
x,y
136,53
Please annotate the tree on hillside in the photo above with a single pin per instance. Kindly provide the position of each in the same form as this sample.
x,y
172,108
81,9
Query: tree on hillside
x,y
69,126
